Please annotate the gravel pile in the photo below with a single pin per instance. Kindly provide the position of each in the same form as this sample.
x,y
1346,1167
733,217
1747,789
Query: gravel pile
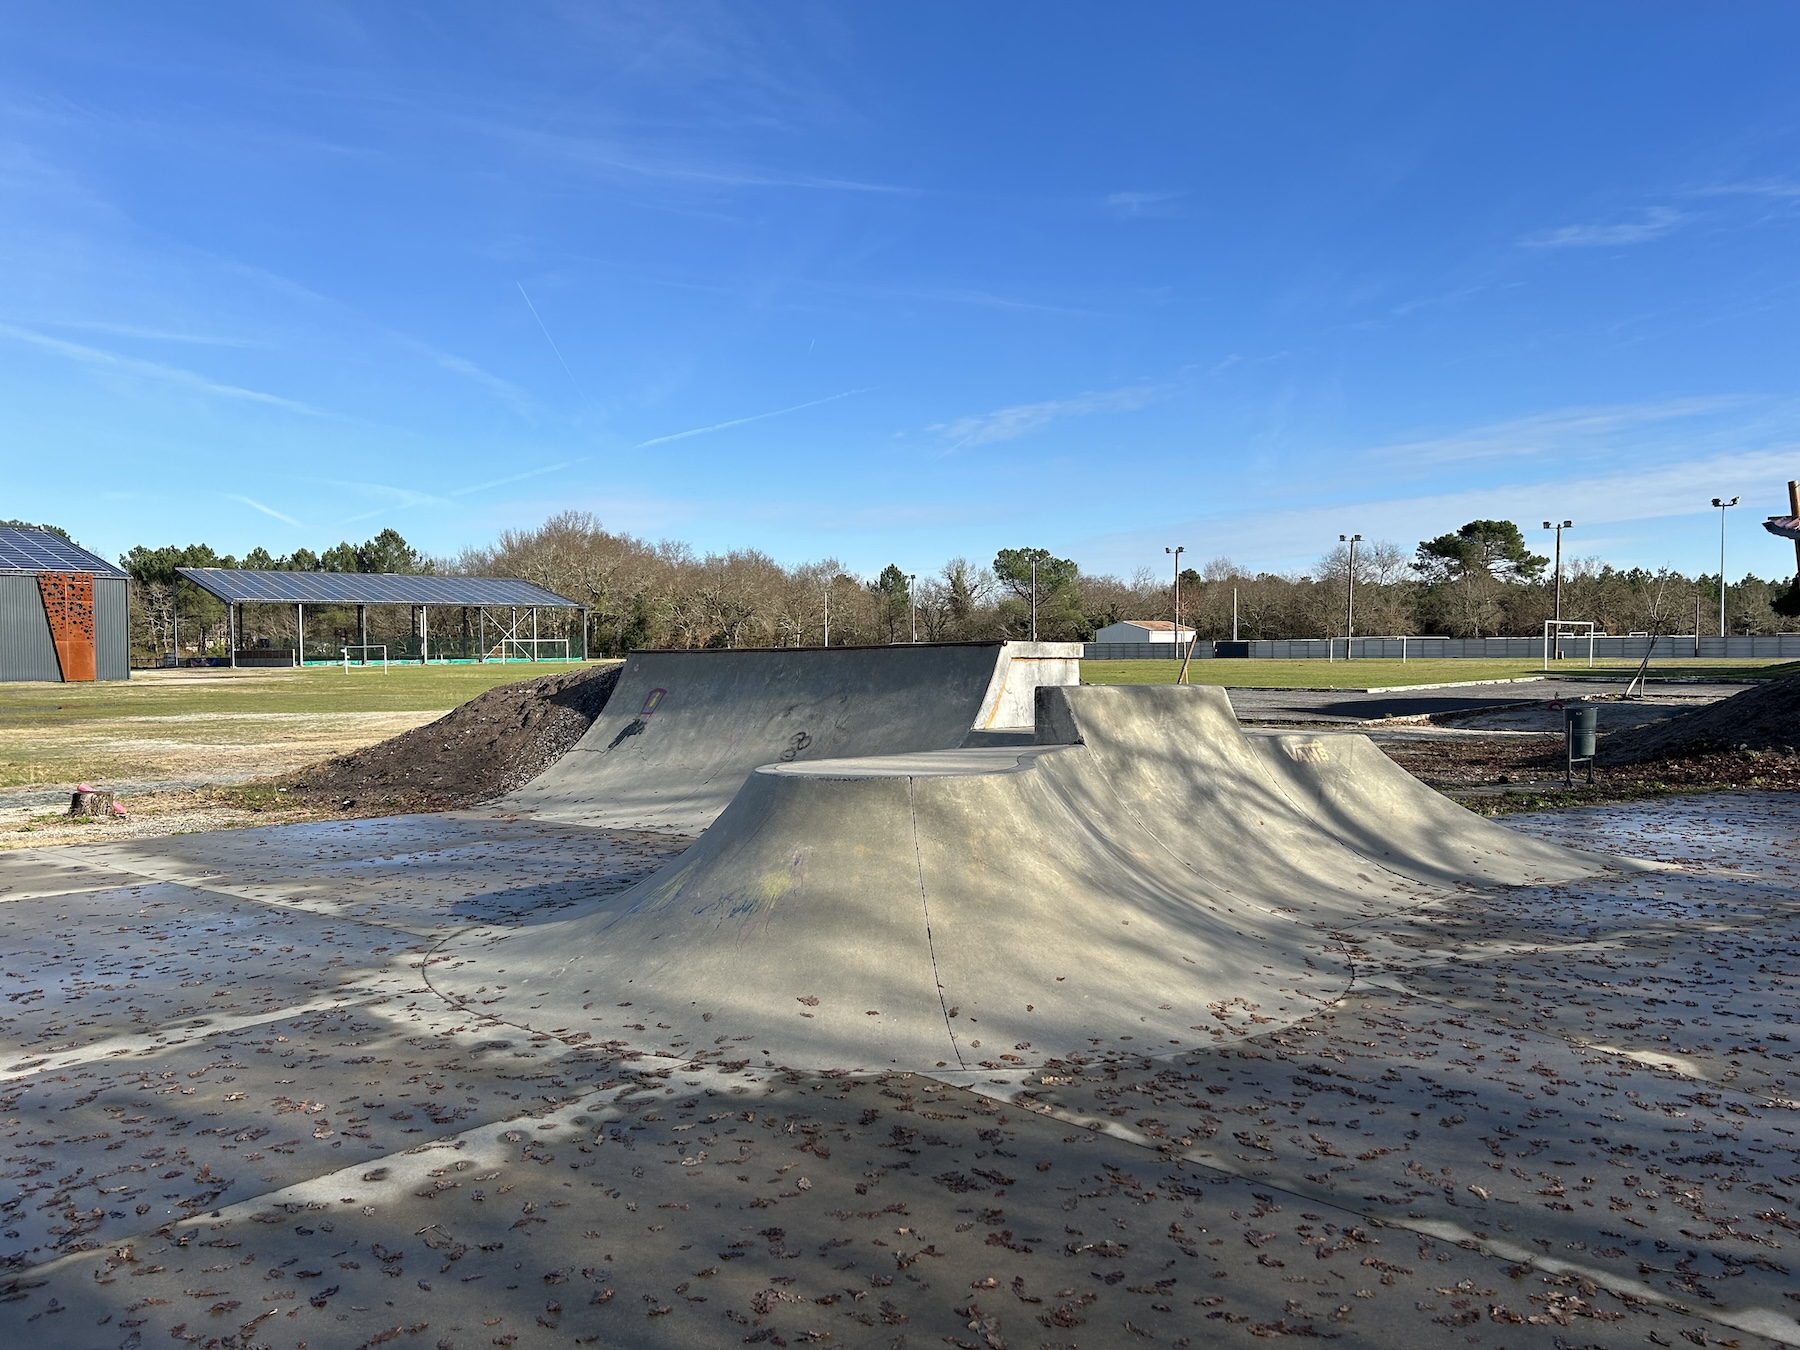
x,y
486,748
1765,718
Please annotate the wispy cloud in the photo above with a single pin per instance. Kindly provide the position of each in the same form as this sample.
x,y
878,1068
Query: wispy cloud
x,y
742,421
1005,424
255,505
1562,432
1785,189
518,477
398,498
150,334
505,390
1657,222
1622,499
948,295
1141,203
131,365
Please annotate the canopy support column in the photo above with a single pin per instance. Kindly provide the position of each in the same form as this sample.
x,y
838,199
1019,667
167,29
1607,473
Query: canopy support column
x,y
300,633
481,651
534,640
231,631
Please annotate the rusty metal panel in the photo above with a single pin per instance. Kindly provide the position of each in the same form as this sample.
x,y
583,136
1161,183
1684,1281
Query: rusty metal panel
x,y
69,605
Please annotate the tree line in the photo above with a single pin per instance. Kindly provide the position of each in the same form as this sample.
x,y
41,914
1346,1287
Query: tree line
x,y
1481,580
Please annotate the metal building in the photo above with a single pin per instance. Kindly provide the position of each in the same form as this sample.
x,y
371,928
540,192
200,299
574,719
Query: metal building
x,y
63,611
505,613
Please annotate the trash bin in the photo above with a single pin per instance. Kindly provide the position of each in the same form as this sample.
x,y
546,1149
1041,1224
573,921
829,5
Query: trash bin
x,y
1583,721
1580,730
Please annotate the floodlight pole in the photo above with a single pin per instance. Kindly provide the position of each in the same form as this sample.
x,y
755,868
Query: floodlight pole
x,y
1034,599
1350,591
826,588
1723,506
1177,551
1559,528
912,604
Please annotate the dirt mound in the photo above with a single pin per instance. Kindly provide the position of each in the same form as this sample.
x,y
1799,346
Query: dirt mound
x,y
489,746
1765,717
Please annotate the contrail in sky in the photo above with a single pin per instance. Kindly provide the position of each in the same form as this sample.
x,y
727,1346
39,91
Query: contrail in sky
x,y
740,421
266,510
552,342
517,477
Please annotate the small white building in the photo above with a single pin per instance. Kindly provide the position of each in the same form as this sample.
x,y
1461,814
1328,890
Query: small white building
x,y
1144,630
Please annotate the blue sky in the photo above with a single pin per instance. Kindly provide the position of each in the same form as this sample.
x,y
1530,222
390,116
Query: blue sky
x,y
898,282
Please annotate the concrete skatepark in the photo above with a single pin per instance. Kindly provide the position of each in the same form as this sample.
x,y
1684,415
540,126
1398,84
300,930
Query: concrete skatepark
x,y
926,935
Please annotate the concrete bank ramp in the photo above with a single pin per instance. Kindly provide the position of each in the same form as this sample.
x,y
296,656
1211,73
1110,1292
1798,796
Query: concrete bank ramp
x,y
1145,880
684,729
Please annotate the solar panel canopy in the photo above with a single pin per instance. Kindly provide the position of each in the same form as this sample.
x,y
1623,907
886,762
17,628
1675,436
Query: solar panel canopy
x,y
24,550
239,585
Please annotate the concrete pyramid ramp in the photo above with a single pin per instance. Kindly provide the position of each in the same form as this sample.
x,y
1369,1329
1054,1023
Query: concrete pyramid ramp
x,y
1146,879
684,729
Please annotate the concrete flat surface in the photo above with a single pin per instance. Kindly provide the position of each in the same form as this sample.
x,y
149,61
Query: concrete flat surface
x,y
1338,705
235,1111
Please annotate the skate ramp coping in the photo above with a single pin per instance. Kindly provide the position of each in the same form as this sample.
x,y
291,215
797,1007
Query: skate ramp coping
x,y
685,729
1146,880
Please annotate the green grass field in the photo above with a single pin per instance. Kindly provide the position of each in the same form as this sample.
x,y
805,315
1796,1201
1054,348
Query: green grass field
x,y
171,693
183,724
224,725
1373,674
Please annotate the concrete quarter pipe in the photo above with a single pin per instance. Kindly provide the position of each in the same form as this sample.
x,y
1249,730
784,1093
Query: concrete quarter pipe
x,y
1145,878
684,729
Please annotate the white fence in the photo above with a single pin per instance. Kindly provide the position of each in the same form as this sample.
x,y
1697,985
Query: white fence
x,y
1773,647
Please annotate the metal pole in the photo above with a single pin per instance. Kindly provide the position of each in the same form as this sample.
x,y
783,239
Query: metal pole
x,y
1559,530
534,637
1723,506
1794,510
912,604
1177,551
827,614
481,623
231,630
362,631
1350,591
1034,599
300,633
1234,636
424,635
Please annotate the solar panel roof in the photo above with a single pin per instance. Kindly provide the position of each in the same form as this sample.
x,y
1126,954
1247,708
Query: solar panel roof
x,y
41,551
368,588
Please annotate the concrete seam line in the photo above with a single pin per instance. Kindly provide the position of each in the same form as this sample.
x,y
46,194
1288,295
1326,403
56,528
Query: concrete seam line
x,y
406,1168
912,809
1756,1321
171,1036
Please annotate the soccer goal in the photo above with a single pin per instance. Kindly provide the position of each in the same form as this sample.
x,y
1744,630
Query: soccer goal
x,y
1555,630
362,656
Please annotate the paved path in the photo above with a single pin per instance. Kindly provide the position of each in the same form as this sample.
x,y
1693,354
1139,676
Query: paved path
x,y
1340,705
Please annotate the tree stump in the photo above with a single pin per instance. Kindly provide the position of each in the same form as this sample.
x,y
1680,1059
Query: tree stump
x,y
91,804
